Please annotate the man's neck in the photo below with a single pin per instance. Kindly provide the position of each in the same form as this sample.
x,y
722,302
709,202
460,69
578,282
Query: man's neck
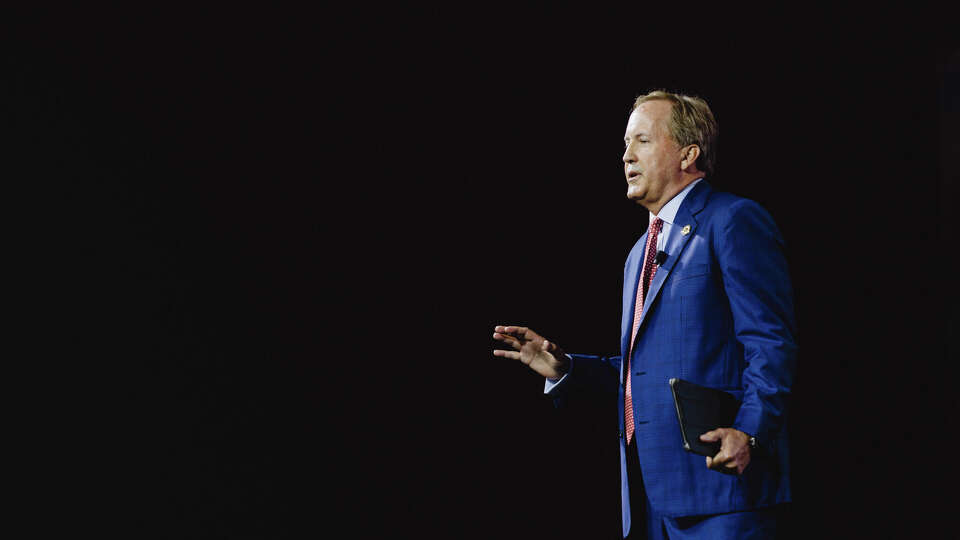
x,y
672,192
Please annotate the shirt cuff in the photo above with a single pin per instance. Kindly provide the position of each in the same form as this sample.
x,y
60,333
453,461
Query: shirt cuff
x,y
550,384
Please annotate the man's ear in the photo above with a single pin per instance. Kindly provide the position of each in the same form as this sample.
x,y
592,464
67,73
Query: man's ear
x,y
689,160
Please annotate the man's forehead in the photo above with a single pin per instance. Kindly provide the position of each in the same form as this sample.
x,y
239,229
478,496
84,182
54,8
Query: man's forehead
x,y
648,115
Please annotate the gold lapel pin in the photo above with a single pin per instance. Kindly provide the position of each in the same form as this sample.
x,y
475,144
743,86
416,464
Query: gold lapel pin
x,y
685,230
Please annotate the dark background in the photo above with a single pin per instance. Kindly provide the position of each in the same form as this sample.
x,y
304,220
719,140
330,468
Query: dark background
x,y
266,252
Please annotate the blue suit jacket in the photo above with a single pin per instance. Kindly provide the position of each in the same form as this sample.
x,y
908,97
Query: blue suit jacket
x,y
719,313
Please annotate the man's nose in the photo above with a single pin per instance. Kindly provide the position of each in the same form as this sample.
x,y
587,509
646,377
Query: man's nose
x,y
628,156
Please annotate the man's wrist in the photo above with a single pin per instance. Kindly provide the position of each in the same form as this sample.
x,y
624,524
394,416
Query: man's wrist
x,y
565,364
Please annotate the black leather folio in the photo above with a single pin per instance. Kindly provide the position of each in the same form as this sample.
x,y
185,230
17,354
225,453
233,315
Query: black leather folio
x,y
701,409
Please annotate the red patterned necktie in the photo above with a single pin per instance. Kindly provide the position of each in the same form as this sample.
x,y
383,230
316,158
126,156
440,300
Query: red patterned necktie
x,y
646,275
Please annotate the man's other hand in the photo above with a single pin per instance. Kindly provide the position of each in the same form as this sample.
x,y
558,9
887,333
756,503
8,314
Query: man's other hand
x,y
537,353
734,454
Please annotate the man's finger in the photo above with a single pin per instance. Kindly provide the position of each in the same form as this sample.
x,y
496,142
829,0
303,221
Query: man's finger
x,y
509,340
718,462
504,329
520,331
711,436
513,355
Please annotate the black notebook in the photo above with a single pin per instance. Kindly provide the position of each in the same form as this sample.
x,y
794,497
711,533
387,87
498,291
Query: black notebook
x,y
701,409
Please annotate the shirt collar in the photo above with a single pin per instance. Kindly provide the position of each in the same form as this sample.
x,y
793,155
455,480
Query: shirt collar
x,y
669,211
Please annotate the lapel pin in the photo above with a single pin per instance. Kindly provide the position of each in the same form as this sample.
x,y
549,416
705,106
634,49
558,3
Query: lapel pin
x,y
685,230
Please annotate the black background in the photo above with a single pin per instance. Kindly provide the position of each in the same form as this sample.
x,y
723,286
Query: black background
x,y
268,249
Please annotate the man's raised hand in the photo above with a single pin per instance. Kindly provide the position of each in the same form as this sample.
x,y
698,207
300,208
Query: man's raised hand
x,y
537,353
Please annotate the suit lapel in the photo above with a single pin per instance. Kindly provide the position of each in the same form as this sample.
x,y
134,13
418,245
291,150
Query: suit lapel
x,y
676,242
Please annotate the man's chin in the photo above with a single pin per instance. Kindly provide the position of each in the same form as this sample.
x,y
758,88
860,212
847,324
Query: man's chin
x,y
638,198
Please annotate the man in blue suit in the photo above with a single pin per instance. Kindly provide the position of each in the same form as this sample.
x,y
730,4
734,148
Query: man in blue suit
x,y
706,298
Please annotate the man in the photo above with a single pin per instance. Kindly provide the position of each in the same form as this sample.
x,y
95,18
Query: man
x,y
706,298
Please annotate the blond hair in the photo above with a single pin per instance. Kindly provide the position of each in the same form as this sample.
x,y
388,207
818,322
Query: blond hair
x,y
691,122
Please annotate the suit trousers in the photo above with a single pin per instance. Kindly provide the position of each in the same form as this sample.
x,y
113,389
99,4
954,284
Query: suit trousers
x,y
649,524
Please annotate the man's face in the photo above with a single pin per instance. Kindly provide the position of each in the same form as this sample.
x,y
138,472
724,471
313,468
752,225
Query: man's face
x,y
651,160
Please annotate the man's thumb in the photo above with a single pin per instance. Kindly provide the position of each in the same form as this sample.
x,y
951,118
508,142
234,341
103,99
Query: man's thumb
x,y
710,436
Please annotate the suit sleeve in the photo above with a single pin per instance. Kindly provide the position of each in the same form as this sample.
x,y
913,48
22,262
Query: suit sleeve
x,y
591,374
757,285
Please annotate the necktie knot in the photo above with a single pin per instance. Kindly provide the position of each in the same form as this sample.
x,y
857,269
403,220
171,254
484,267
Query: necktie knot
x,y
655,226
